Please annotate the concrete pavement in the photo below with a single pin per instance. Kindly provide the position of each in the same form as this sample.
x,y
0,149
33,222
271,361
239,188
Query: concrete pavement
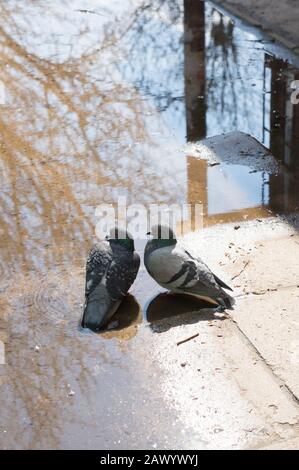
x,y
260,261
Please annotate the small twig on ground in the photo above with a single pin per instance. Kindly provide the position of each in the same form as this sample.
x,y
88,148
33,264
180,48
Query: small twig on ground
x,y
242,270
187,339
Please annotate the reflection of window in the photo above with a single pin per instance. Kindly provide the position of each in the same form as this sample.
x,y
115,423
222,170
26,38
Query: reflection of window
x,y
266,105
284,116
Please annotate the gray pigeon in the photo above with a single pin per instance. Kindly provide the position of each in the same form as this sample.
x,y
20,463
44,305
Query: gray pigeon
x,y
111,269
167,261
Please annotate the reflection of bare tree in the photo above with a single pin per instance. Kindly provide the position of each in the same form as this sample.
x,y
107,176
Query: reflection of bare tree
x,y
229,73
195,69
73,134
144,30
70,138
222,48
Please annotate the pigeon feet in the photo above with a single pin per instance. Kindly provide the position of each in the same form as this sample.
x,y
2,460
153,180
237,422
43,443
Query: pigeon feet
x,y
221,308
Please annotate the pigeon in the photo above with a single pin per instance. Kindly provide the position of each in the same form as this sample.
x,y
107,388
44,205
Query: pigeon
x,y
111,269
175,269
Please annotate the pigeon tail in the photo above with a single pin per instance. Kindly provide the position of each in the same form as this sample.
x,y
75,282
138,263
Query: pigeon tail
x,y
227,301
221,283
98,309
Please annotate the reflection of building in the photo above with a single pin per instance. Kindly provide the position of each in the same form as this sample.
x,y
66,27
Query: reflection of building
x,y
279,126
284,134
194,68
195,92
195,96
284,116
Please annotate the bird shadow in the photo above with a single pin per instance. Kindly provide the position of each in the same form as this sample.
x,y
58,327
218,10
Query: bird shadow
x,y
125,321
127,318
168,310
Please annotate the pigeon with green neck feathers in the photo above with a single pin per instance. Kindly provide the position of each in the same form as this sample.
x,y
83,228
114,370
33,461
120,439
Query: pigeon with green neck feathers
x,y
175,269
111,269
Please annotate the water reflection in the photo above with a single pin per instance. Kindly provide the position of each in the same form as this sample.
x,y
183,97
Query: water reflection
x,y
237,84
194,69
75,129
78,127
126,319
97,105
283,134
82,123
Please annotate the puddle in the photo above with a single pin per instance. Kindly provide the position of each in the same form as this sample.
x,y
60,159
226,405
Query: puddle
x,y
98,101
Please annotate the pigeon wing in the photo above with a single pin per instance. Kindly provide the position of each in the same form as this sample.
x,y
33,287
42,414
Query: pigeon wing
x,y
121,275
204,270
98,262
221,283
193,274
197,273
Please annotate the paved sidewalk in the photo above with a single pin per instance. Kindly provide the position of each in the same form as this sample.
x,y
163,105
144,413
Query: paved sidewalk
x,y
260,261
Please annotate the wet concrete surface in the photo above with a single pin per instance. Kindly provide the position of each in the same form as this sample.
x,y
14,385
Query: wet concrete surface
x,y
94,96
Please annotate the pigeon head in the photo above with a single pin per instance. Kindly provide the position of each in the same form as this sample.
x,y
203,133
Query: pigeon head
x,y
163,235
120,236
